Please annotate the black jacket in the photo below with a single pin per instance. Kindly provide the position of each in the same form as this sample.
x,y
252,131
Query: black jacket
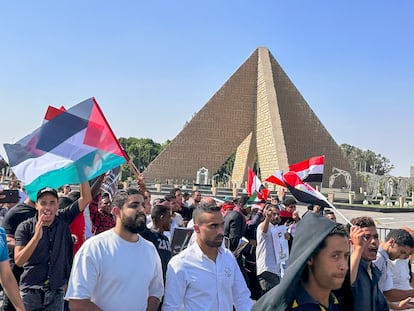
x,y
311,231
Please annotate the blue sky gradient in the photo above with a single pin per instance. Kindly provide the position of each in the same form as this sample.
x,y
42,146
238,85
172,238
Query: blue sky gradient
x,y
152,64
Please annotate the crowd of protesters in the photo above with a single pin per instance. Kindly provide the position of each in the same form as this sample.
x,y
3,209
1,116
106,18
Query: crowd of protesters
x,y
94,250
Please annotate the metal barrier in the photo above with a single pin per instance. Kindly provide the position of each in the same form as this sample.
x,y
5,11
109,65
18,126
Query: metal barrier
x,y
382,233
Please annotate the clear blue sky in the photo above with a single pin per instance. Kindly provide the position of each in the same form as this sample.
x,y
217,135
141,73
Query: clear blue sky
x,y
152,64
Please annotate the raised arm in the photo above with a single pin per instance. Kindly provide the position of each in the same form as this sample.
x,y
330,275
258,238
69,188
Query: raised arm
x,y
358,245
85,195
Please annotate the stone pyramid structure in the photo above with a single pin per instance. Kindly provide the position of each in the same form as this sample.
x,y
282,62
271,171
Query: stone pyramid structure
x,y
259,113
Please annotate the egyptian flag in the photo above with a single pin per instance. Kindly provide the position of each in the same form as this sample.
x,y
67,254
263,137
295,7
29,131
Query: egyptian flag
x,y
304,192
310,170
70,147
276,178
255,189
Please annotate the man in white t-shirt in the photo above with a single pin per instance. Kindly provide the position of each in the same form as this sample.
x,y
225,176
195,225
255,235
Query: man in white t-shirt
x,y
118,269
269,259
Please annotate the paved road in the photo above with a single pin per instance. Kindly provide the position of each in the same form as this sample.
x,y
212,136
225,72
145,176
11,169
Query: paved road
x,y
383,220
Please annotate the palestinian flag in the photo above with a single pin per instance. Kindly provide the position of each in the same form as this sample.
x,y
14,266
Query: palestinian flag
x,y
70,147
276,178
304,192
310,170
255,189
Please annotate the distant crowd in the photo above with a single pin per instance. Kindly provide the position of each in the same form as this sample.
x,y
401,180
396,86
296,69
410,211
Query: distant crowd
x,y
90,249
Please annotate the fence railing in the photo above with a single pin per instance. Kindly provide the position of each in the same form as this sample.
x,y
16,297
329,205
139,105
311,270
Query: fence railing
x,y
382,233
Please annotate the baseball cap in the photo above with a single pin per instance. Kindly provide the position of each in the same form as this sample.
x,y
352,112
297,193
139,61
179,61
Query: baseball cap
x,y
46,190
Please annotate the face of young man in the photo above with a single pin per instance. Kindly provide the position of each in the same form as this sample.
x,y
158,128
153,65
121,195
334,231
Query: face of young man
x,y
396,251
166,221
47,205
210,229
371,249
275,218
132,214
174,205
179,197
328,268
197,197
105,205
291,208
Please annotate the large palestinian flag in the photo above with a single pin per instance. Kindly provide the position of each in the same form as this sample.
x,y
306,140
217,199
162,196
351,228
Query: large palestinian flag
x,y
71,147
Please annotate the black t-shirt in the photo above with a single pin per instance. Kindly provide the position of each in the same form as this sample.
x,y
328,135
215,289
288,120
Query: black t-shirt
x,y
162,244
14,217
17,215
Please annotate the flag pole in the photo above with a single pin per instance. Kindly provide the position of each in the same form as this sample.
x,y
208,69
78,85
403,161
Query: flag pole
x,y
138,175
339,213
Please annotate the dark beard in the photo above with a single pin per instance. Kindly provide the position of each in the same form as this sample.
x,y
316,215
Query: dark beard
x,y
137,225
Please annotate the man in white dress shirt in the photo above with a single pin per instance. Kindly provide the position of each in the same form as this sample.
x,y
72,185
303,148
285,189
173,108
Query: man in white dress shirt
x,y
205,276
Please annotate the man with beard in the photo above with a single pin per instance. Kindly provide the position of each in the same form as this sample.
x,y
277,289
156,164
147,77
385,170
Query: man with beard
x,y
118,268
205,276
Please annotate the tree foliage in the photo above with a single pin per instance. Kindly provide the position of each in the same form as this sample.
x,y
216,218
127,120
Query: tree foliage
x,y
141,151
367,160
226,168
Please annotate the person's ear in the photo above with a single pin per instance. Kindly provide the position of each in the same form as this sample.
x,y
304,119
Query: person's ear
x,y
196,228
310,261
116,211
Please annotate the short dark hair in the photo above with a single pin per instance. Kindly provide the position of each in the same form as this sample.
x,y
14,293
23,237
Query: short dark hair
x,y
401,237
121,197
328,212
158,211
170,197
363,222
202,209
243,200
289,201
174,190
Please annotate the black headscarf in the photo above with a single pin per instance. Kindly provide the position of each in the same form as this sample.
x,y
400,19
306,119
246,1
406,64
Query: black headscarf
x,y
310,232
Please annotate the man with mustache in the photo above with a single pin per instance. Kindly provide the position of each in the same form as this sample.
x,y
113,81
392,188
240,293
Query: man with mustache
x,y
205,276
118,269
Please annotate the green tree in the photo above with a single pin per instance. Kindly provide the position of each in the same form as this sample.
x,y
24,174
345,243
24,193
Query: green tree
x,y
367,160
142,151
226,168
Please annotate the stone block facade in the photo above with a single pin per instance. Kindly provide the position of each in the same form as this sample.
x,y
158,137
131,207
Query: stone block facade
x,y
259,113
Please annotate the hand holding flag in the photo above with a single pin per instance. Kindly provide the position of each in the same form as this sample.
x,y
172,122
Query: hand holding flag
x,y
70,147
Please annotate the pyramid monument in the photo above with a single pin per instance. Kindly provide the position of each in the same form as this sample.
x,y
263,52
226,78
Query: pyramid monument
x,y
259,114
